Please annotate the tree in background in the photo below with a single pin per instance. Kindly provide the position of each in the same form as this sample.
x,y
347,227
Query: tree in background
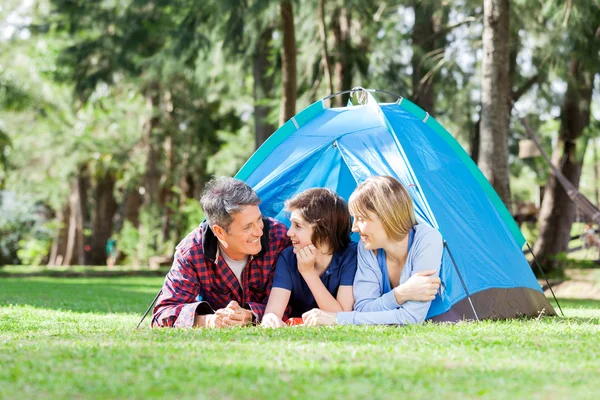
x,y
495,97
137,103
576,60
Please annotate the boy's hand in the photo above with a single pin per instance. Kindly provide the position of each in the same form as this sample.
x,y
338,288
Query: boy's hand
x,y
271,320
307,258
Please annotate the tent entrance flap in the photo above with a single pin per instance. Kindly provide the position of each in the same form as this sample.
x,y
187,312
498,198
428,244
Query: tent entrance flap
x,y
327,169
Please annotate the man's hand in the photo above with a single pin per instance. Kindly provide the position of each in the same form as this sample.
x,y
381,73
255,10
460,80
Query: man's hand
x,y
236,315
271,320
307,257
209,320
316,317
422,286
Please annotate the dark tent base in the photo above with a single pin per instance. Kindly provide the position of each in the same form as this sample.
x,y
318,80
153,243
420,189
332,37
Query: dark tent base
x,y
499,304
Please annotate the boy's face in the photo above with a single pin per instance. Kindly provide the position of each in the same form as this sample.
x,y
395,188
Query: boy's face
x,y
300,231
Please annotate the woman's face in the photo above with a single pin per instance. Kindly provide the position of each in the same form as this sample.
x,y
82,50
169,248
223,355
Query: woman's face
x,y
370,230
300,232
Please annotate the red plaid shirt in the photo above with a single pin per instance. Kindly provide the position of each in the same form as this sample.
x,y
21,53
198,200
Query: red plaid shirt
x,y
196,284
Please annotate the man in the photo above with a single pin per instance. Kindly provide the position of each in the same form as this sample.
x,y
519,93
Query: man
x,y
223,270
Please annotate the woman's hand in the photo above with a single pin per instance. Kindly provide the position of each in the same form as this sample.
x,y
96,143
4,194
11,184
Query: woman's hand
x,y
307,257
271,320
422,286
316,317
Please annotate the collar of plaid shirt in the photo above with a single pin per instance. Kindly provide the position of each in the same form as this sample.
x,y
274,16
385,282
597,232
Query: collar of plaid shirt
x,y
210,243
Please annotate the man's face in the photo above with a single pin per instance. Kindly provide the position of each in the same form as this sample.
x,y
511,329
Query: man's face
x,y
243,236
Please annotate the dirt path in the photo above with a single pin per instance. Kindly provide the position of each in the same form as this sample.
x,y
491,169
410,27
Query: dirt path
x,y
580,284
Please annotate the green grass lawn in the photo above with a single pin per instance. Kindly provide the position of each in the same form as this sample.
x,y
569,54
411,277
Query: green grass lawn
x,y
76,338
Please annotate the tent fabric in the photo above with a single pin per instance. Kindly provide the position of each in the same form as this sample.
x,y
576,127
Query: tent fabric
x,y
339,148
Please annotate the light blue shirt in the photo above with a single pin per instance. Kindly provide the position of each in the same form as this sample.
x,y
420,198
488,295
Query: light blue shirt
x,y
376,306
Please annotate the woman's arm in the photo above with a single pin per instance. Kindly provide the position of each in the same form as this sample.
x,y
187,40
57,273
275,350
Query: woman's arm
x,y
428,255
411,312
368,284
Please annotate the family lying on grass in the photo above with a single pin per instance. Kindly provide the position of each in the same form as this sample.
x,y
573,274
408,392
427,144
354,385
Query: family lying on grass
x,y
239,267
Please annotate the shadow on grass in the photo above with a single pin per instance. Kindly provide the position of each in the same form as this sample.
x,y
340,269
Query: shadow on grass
x,y
96,295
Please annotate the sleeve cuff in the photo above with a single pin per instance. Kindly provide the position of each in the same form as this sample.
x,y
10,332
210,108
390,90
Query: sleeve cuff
x,y
188,313
257,310
389,301
345,318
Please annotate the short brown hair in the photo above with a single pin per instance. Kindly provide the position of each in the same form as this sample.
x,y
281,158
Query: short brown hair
x,y
387,198
327,213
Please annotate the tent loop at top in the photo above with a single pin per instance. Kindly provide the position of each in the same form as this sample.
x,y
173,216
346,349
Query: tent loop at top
x,y
363,91
360,94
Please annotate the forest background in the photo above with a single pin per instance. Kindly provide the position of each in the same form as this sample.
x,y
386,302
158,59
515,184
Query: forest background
x,y
115,113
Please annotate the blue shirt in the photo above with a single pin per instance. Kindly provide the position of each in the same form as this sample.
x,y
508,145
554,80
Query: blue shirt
x,y
340,272
375,303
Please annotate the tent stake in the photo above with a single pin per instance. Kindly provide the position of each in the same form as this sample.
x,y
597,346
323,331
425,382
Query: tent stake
x,y
461,280
546,279
148,310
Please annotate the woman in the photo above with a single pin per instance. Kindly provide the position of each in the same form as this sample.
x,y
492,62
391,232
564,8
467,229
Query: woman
x,y
394,253
319,268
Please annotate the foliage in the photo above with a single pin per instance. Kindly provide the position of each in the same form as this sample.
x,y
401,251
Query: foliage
x,y
22,223
161,95
139,244
33,251
191,215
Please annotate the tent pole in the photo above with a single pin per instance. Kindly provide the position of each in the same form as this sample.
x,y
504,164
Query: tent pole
x,y
546,279
461,280
148,310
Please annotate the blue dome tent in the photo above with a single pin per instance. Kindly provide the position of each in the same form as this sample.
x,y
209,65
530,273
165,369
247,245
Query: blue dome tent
x,y
484,272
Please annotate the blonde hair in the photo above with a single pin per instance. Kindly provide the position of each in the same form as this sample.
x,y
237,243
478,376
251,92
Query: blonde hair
x,y
387,198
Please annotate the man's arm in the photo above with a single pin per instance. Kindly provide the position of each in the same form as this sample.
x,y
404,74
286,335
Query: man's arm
x,y
280,243
177,304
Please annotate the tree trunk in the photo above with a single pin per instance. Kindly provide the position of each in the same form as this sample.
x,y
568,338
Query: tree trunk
x,y
324,49
131,208
263,86
152,177
83,185
343,48
423,44
59,244
557,211
105,207
288,62
495,90
596,173
74,244
167,197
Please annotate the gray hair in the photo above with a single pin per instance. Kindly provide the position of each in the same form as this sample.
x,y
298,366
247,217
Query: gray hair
x,y
223,197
